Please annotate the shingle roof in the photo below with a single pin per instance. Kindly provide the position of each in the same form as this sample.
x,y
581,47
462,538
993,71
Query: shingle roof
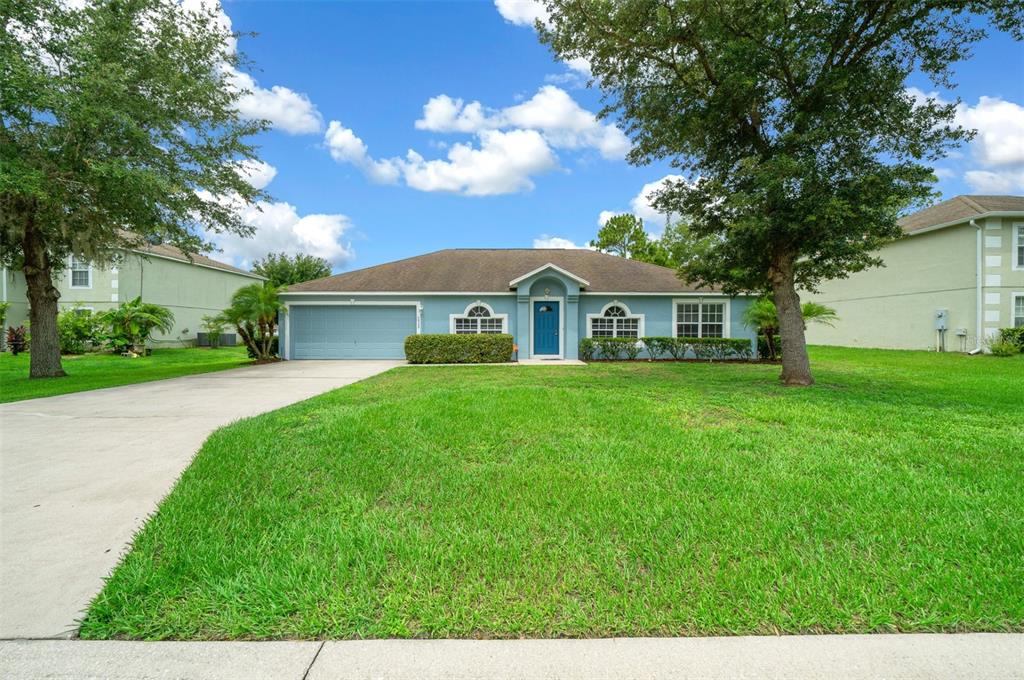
x,y
169,251
491,270
960,209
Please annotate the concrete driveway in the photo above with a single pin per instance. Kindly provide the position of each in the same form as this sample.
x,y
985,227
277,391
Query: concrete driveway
x,y
81,472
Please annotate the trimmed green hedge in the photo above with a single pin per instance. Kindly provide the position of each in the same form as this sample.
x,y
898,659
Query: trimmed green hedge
x,y
474,348
615,349
700,348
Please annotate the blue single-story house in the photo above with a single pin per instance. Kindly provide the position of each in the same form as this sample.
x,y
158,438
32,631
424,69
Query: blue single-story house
x,y
546,299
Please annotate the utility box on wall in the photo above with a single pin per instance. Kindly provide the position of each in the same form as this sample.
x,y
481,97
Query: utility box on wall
x,y
941,319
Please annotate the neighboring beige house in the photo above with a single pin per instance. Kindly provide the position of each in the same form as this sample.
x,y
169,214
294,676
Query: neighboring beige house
x,y
952,281
160,274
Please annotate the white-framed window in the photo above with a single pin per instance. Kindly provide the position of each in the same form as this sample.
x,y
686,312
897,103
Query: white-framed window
x,y
478,317
701,318
615,321
1018,246
1018,310
81,272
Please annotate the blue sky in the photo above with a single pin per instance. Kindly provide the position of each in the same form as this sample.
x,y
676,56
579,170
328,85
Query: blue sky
x,y
346,85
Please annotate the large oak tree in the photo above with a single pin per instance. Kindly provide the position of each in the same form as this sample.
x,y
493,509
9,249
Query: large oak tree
x,y
119,127
790,116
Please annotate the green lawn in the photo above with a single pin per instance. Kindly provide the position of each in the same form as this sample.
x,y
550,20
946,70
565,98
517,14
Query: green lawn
x,y
609,500
93,371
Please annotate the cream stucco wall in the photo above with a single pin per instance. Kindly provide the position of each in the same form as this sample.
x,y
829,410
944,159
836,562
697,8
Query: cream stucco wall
x,y
894,306
189,291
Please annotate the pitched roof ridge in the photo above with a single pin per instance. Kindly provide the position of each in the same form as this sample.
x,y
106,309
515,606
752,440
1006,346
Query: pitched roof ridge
x,y
969,200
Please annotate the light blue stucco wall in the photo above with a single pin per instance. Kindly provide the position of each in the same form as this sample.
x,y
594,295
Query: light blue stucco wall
x,y
658,310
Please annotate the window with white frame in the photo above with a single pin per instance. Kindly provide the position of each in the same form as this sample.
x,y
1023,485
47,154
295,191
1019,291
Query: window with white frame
x,y
700,319
1018,310
81,273
615,321
478,318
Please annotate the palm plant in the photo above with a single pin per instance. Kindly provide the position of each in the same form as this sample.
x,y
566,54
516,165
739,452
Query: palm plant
x,y
253,312
131,325
763,316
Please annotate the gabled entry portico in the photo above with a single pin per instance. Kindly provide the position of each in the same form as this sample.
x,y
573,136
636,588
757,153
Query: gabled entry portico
x,y
548,312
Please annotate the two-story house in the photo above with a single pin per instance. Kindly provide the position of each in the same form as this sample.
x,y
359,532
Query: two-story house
x,y
161,274
955,278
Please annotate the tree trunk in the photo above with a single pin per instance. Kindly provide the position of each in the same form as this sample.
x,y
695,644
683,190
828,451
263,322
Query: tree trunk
x,y
796,366
44,350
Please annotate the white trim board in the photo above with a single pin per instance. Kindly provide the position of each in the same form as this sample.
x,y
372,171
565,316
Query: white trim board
x,y
561,324
967,220
583,293
579,279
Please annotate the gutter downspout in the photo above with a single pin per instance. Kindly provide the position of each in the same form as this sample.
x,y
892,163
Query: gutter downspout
x,y
979,272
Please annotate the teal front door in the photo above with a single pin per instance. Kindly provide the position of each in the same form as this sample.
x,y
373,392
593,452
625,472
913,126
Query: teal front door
x,y
545,328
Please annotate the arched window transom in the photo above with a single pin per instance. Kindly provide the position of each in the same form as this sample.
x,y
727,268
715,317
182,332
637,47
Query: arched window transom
x,y
478,318
615,321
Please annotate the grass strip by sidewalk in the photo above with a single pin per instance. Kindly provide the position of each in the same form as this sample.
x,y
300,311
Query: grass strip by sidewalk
x,y
608,500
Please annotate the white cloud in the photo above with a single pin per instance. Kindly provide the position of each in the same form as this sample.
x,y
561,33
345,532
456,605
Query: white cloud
x,y
278,226
641,206
1000,126
998,146
546,241
257,173
1002,182
522,12
551,111
503,164
944,173
346,147
286,109
444,114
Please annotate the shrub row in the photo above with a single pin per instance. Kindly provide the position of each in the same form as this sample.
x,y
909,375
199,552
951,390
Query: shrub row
x,y
458,349
711,349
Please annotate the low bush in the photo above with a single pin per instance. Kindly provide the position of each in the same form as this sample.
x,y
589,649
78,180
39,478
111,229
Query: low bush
x,y
482,348
614,349
1002,348
660,347
78,329
1014,336
587,349
701,348
17,340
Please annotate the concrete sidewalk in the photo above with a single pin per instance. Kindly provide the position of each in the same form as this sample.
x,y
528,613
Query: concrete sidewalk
x,y
79,473
978,655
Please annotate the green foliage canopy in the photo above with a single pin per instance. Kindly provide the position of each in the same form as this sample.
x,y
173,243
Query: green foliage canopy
x,y
792,120
282,269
